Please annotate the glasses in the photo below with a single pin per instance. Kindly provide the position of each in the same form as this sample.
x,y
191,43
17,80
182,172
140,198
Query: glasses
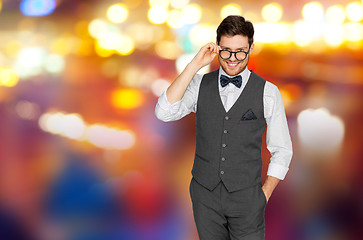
x,y
239,55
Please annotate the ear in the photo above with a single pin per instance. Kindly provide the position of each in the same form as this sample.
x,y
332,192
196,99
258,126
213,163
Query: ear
x,y
251,48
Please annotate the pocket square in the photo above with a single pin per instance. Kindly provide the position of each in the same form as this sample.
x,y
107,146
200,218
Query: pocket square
x,y
249,115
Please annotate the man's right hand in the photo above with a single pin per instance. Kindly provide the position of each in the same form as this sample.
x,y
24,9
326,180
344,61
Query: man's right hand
x,y
206,54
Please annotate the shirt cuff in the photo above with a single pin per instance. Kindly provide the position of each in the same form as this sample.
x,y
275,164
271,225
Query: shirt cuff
x,y
277,170
164,103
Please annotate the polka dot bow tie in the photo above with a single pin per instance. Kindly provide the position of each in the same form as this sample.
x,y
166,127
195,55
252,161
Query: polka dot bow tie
x,y
237,80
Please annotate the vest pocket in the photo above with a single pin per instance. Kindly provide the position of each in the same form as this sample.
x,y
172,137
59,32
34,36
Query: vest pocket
x,y
256,121
249,134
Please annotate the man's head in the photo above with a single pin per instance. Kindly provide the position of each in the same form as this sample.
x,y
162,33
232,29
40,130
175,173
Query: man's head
x,y
235,34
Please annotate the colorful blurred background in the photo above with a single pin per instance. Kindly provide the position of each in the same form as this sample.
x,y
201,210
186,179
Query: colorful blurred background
x,y
83,157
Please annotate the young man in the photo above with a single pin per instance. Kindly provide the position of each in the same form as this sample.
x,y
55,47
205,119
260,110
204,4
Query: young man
x,y
232,106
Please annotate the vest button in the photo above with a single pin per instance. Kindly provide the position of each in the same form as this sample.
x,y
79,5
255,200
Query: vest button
x,y
222,172
225,131
223,158
226,118
224,145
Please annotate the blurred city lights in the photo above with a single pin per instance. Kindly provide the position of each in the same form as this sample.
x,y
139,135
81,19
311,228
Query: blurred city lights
x,y
127,98
130,76
97,27
168,49
30,61
72,56
54,63
335,14
126,45
231,9
159,86
110,40
110,68
319,130
109,138
37,7
175,19
66,44
8,77
302,33
313,12
158,14
272,12
202,34
179,3
142,34
191,13
117,13
294,91
81,29
27,110
53,122
43,121
12,48
266,32
72,126
102,52
354,11
161,3
334,34
353,31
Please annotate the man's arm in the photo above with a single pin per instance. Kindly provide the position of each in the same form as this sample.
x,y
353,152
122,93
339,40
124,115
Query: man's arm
x,y
277,139
205,56
181,96
269,186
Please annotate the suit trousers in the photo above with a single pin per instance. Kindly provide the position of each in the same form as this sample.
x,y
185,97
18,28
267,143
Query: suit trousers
x,y
223,215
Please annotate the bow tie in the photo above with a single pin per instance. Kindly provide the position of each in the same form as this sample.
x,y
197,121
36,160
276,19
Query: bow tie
x,y
237,81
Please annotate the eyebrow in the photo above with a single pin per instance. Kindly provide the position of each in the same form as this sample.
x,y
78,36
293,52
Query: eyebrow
x,y
237,48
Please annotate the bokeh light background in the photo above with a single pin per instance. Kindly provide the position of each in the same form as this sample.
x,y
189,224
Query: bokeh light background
x,y
83,157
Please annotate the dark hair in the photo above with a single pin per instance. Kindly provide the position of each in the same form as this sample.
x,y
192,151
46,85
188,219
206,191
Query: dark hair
x,y
235,25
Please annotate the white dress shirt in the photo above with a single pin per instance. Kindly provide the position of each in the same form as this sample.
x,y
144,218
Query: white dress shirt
x,y
278,139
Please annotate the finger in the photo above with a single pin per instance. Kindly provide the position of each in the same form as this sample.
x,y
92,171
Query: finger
x,y
213,49
208,47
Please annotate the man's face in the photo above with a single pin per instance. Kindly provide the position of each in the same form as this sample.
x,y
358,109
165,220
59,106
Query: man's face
x,y
234,43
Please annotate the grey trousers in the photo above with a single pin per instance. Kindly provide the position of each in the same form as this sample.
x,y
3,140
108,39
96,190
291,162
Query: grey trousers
x,y
221,215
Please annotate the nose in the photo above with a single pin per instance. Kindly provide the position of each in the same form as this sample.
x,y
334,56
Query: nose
x,y
233,57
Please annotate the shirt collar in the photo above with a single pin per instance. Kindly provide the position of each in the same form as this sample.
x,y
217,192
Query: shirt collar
x,y
244,74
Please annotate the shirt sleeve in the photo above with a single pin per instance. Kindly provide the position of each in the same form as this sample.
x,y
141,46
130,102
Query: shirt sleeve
x,y
278,139
166,111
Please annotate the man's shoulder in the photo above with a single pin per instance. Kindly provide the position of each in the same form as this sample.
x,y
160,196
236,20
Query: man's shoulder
x,y
211,74
271,89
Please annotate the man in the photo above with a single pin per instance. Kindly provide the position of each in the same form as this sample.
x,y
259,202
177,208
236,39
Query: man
x,y
232,106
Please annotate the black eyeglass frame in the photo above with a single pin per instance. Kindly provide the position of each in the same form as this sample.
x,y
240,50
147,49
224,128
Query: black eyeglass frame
x,y
235,54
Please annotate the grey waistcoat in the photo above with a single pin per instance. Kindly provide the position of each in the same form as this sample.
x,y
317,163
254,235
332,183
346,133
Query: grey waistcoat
x,y
228,149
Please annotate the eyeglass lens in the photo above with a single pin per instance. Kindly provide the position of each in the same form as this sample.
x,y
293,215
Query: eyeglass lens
x,y
225,54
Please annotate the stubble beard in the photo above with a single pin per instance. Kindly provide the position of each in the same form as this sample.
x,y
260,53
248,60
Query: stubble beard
x,y
226,70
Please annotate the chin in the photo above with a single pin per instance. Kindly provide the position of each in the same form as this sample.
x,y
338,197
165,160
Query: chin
x,y
232,69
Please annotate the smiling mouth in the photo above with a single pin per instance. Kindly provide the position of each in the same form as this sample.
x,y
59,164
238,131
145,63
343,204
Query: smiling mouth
x,y
233,64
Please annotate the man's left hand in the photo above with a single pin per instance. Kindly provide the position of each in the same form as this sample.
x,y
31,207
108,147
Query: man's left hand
x,y
269,186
